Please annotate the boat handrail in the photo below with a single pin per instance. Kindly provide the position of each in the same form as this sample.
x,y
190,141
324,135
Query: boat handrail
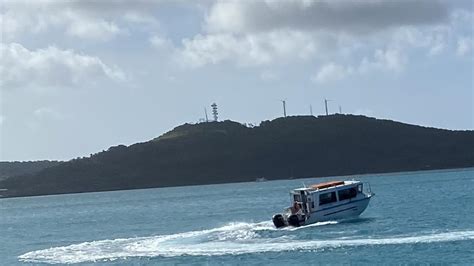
x,y
368,189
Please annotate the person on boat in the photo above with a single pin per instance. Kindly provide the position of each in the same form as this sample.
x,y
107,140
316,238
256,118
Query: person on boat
x,y
295,209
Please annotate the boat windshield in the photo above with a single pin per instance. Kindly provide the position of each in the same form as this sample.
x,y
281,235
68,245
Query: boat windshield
x,y
297,197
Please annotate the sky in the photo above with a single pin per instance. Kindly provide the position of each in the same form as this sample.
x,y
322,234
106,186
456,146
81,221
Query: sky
x,y
77,77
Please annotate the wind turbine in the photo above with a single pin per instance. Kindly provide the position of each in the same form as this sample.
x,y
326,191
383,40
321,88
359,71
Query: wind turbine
x,y
205,112
326,105
284,107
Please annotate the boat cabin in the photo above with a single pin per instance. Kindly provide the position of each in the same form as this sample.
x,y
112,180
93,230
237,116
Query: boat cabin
x,y
326,194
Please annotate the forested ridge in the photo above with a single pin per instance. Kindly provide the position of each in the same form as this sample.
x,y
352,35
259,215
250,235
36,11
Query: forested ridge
x,y
221,152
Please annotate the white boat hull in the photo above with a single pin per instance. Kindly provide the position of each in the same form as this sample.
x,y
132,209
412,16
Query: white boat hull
x,y
345,210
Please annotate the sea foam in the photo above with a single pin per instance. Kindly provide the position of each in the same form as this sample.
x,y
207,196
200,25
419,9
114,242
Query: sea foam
x,y
231,239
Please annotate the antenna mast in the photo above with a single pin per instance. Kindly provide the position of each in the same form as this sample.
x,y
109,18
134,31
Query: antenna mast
x,y
311,109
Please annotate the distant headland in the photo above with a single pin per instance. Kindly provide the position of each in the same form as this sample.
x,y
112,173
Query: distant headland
x,y
223,152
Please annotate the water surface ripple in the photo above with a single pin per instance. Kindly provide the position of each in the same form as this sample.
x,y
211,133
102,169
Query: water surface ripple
x,y
423,217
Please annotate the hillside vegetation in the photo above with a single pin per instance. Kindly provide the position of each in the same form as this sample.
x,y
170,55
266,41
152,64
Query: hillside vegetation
x,y
10,169
292,147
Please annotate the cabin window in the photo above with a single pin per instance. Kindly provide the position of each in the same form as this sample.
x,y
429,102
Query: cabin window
x,y
359,188
347,193
327,198
297,197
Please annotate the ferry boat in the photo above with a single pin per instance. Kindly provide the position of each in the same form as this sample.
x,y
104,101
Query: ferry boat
x,y
325,201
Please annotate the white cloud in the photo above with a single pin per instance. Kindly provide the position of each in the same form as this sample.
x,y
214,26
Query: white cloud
x,y
143,19
464,46
387,60
161,43
332,72
15,23
438,44
430,40
23,18
91,20
51,67
437,48
91,28
342,16
256,33
247,50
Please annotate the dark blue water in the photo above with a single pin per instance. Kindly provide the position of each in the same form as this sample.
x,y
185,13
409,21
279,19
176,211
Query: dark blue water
x,y
424,217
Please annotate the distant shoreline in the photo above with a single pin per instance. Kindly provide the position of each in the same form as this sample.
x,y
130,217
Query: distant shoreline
x,y
441,170
464,169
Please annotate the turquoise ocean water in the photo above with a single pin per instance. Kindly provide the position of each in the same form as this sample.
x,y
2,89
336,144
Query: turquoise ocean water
x,y
422,217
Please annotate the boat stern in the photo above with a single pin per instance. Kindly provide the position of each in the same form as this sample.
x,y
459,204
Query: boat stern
x,y
282,220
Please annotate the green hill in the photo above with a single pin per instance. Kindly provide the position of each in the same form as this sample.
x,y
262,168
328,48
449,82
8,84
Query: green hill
x,y
9,169
220,152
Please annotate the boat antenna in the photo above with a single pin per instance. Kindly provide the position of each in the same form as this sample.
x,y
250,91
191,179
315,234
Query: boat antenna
x,y
304,185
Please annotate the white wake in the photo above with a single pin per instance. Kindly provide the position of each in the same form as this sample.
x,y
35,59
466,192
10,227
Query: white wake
x,y
232,239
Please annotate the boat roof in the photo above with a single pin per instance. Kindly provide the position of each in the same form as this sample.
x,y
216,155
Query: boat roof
x,y
327,185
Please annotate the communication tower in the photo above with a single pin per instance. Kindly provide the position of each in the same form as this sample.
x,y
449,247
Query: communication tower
x,y
214,111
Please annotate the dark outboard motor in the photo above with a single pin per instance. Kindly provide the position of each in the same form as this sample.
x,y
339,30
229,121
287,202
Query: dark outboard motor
x,y
278,220
293,220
